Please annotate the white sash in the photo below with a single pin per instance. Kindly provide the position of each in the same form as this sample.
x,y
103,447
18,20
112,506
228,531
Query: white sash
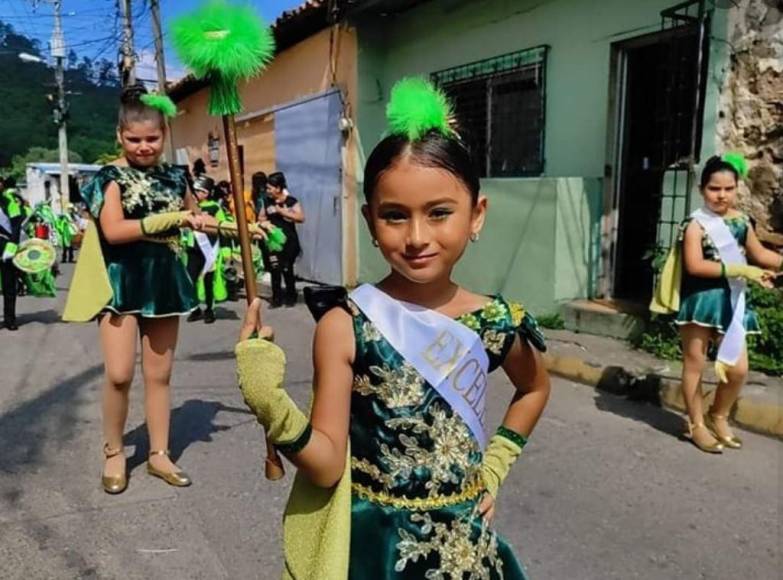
x,y
5,222
733,343
209,250
449,355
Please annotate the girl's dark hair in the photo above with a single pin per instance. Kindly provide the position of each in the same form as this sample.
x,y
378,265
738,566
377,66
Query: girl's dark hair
x,y
223,189
199,167
716,164
258,183
277,179
133,110
433,150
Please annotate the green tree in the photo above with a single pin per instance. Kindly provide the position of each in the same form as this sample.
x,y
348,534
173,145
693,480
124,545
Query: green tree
x,y
26,120
19,163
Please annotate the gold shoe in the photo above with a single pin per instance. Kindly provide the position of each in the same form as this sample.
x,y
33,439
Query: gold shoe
x,y
176,478
113,484
716,447
728,440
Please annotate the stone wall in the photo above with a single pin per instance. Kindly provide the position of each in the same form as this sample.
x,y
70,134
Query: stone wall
x,y
751,109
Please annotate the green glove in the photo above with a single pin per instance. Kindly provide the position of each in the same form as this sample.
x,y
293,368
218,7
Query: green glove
x,y
261,370
163,222
500,455
9,251
746,271
231,230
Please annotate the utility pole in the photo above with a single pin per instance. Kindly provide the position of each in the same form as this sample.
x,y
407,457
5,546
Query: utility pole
x,y
157,31
61,112
128,64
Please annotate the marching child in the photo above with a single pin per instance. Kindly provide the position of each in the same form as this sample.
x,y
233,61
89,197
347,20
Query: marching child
x,y
397,477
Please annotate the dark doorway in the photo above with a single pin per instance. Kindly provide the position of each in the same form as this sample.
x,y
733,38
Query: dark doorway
x,y
659,109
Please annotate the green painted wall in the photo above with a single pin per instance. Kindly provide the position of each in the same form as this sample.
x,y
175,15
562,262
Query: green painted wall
x,y
542,238
517,250
441,34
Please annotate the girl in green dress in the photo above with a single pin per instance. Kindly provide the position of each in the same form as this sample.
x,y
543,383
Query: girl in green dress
x,y
706,306
149,287
396,478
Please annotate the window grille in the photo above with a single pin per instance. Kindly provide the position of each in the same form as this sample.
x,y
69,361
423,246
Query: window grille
x,y
500,105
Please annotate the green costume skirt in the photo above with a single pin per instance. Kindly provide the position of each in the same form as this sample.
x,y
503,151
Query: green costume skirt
x,y
148,279
391,543
707,302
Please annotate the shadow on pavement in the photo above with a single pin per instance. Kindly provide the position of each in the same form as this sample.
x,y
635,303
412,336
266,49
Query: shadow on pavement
x,y
190,422
49,316
636,398
225,314
50,418
211,356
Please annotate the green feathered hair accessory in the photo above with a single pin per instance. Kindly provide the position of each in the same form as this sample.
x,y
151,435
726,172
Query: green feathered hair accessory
x,y
417,107
226,44
275,239
161,103
738,162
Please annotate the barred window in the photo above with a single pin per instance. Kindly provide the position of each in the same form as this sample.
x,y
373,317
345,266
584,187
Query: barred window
x,y
500,104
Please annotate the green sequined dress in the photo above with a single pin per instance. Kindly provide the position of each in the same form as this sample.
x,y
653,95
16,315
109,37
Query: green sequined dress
x,y
415,465
707,301
148,278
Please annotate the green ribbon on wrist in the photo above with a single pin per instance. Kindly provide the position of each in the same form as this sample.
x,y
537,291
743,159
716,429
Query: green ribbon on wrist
x,y
295,446
513,436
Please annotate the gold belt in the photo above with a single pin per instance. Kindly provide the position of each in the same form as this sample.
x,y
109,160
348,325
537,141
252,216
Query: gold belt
x,y
418,504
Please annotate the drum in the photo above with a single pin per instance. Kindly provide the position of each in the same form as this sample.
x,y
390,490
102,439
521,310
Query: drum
x,y
35,256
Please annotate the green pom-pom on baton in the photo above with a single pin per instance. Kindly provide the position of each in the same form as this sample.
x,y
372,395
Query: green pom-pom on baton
x,y
160,102
738,162
226,44
417,107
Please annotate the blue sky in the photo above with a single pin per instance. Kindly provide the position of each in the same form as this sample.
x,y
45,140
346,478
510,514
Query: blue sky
x,y
91,29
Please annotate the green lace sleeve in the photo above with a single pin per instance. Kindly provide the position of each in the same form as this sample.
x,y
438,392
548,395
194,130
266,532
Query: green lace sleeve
x,y
506,321
526,326
94,192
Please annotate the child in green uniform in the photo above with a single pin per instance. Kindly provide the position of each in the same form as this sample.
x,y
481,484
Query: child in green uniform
x,y
716,244
397,477
138,205
204,257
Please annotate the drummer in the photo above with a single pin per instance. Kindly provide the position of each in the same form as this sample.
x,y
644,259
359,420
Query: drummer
x,y
11,218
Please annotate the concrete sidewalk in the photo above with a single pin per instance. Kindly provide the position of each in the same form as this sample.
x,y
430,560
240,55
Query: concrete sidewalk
x,y
614,366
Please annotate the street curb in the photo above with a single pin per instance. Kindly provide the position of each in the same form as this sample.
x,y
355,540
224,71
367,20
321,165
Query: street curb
x,y
752,413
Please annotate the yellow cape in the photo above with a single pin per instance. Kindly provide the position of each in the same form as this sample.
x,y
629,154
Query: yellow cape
x,y
90,288
666,297
317,529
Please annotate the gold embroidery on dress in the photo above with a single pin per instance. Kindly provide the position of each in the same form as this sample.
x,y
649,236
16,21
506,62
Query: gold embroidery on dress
x,y
495,311
459,555
138,190
494,341
517,313
447,458
364,466
399,387
418,503
471,321
370,333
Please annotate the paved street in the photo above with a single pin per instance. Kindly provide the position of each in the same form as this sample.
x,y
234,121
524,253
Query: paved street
x,y
604,490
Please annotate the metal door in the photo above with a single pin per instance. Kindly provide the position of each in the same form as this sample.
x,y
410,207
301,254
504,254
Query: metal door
x,y
307,151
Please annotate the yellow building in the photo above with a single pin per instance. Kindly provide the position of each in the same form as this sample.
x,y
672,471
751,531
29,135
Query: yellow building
x,y
298,119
